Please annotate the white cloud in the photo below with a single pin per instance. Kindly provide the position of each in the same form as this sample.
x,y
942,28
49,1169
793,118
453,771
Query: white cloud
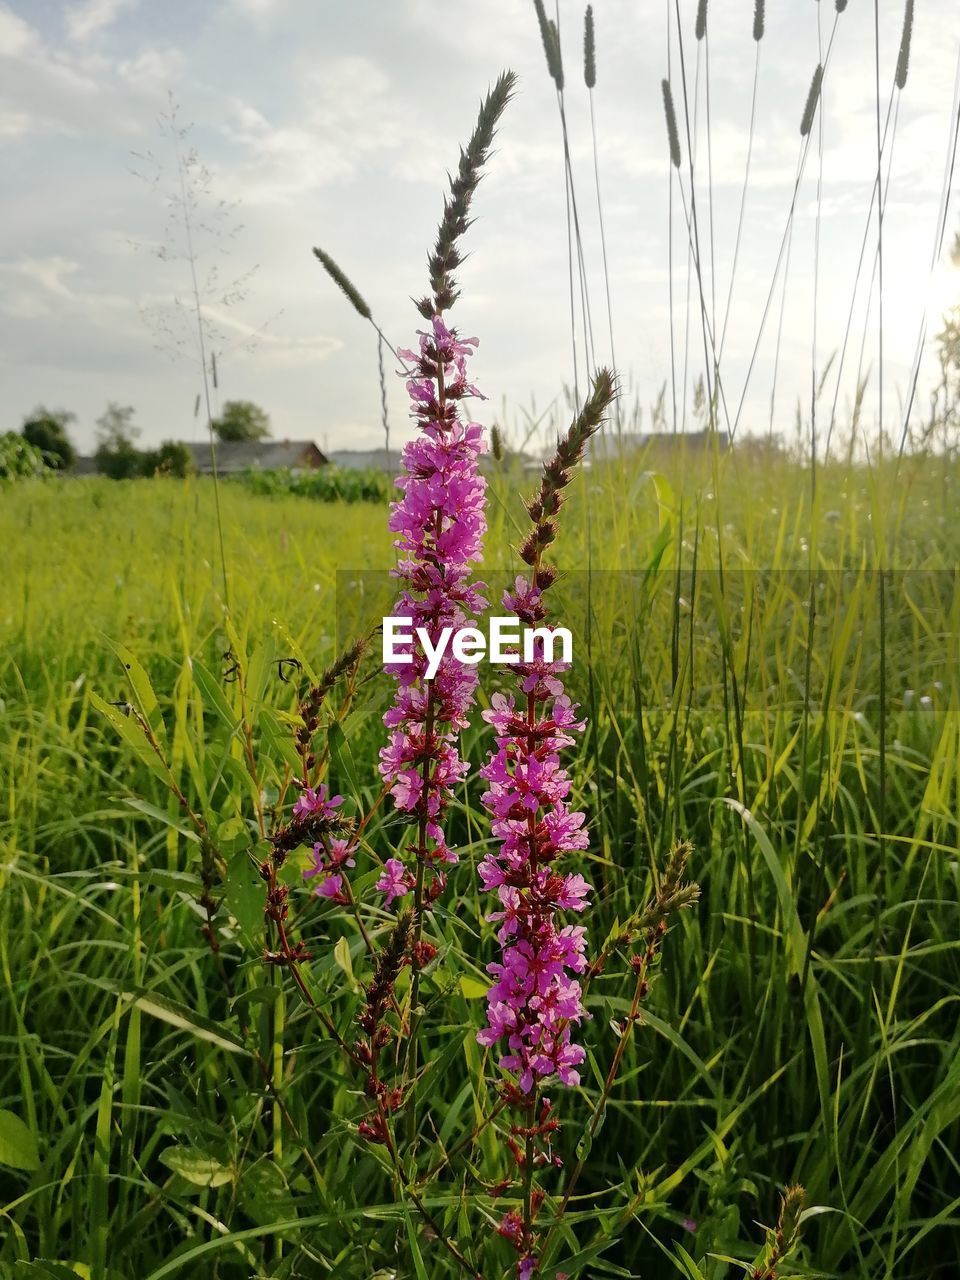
x,y
258,8
16,36
84,20
153,70
50,273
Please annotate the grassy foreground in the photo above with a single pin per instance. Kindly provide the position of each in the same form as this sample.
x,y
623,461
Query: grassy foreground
x,y
797,716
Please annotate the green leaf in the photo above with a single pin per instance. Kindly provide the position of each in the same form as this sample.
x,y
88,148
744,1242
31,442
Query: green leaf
x,y
196,1168
574,1266
691,1268
470,989
213,695
44,1269
341,953
340,751
256,995
143,692
18,1146
793,930
163,818
175,1014
584,1145
244,895
128,727
415,1253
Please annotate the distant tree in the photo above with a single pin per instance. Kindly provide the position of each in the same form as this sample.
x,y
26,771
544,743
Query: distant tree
x,y
46,430
242,420
117,456
172,459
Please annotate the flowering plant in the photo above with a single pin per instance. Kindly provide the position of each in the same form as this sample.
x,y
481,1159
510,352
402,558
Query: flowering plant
x,y
354,883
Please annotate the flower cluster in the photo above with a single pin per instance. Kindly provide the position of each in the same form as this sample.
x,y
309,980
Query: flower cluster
x,y
439,523
331,853
536,997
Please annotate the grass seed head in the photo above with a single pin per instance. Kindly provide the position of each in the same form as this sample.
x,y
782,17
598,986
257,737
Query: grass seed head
x,y
810,107
589,49
446,256
343,282
551,44
759,18
903,58
672,135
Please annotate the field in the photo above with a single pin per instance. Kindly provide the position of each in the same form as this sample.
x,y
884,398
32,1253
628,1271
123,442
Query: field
x,y
768,669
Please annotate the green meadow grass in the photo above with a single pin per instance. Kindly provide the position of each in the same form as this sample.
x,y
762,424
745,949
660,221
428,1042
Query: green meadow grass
x,y
767,670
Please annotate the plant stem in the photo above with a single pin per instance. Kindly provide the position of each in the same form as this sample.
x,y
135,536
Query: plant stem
x,y
600,1108
410,1064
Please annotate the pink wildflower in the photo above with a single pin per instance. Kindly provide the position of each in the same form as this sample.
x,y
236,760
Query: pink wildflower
x,y
439,523
330,856
535,1000
395,881
315,802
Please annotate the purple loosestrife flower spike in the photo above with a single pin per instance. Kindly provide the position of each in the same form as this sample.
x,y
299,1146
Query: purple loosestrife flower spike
x,y
439,523
535,1000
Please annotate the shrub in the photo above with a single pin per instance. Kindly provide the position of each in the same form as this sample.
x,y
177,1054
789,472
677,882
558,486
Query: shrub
x,y
328,484
19,460
46,430
120,460
173,458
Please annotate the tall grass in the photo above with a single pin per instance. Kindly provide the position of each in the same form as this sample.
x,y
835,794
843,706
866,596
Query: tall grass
x,y
773,675
141,1077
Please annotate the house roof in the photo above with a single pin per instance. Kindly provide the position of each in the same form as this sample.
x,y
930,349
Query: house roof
x,y
257,455
366,459
608,446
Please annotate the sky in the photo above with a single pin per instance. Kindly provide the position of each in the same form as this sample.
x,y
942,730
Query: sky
x,y
334,124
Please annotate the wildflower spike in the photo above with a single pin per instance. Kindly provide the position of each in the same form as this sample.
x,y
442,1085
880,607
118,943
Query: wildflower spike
x,y
783,1239
439,525
536,998
456,208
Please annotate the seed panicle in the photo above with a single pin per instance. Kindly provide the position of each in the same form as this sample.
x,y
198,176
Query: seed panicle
x,y
813,97
759,19
672,134
700,30
446,256
343,283
903,57
589,49
551,44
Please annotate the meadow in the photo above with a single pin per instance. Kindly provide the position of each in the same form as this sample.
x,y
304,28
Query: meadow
x,y
225,1049
769,669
